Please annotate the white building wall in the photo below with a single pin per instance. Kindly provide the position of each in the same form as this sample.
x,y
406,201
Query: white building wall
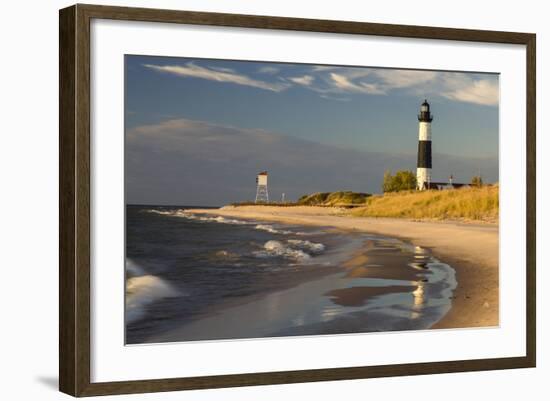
x,y
262,180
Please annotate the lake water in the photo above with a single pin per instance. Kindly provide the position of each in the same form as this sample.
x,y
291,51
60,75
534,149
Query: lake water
x,y
206,277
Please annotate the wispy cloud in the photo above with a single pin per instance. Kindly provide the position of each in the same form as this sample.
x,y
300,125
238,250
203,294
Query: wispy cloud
x,y
195,71
463,87
304,80
342,81
324,68
345,84
268,70
223,69
393,79
470,90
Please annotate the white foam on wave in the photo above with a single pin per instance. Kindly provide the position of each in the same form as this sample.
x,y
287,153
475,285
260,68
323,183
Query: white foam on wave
x,y
133,269
224,220
315,247
221,219
271,229
163,212
143,289
185,214
273,248
292,249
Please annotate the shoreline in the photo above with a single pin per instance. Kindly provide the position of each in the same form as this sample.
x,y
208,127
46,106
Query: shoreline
x,y
336,301
471,249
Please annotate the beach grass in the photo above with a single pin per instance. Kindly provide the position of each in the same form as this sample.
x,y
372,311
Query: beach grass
x,y
339,198
325,199
469,203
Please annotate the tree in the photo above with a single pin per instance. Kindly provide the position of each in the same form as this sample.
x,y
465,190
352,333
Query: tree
x,y
387,184
403,180
476,181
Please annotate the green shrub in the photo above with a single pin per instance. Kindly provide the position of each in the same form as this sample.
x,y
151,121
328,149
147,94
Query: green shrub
x,y
403,180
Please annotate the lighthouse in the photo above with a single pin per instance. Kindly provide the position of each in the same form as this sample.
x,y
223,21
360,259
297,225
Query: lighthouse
x,y
424,164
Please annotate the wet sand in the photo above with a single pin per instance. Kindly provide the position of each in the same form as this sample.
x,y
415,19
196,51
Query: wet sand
x,y
358,296
471,249
348,299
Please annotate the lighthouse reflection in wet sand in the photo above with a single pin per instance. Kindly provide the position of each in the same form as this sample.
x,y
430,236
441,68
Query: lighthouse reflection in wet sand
x,y
424,165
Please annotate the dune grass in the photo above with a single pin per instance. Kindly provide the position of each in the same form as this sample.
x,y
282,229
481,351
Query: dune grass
x,y
327,199
339,198
461,204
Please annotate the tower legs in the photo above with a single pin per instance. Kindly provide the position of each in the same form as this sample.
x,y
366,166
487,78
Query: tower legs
x,y
261,194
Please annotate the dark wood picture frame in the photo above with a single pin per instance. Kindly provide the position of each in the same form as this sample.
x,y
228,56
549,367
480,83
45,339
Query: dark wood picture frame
x,y
74,204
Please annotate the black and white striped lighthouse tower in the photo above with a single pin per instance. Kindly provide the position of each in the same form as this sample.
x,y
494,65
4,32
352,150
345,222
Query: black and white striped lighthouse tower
x,y
424,164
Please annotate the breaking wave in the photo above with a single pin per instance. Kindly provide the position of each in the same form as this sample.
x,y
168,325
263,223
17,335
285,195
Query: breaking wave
x,y
224,220
292,249
187,215
163,212
217,219
271,229
143,289
314,247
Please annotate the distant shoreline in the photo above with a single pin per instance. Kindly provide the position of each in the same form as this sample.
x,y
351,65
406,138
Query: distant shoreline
x,y
470,248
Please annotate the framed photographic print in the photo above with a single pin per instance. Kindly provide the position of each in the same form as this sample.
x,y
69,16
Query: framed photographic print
x,y
251,200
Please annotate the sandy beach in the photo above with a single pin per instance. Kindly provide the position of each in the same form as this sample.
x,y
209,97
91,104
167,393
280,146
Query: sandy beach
x,y
470,248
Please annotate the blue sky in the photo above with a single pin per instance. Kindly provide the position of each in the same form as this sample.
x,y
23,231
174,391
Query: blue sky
x,y
362,120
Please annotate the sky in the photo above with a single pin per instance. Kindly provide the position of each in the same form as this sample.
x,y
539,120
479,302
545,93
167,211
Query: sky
x,y
199,130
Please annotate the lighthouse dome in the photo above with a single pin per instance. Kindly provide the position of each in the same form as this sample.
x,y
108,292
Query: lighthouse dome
x,y
425,106
425,114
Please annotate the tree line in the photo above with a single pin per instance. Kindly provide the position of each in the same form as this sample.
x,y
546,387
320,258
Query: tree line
x,y
405,180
